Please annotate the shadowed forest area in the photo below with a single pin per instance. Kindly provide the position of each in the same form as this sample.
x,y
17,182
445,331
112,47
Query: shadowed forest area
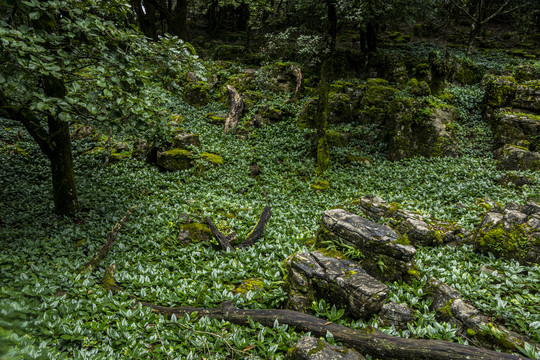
x,y
270,179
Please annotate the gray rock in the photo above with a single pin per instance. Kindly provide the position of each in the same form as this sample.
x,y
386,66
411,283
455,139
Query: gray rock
x,y
395,314
184,140
512,232
384,258
471,323
310,348
513,157
312,276
140,148
430,136
363,234
410,223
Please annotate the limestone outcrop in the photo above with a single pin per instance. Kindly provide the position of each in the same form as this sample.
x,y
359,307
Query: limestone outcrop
x,y
384,257
312,276
513,231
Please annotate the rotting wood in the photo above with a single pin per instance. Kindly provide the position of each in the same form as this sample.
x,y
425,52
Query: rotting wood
x,y
237,106
251,238
258,230
299,81
368,341
109,243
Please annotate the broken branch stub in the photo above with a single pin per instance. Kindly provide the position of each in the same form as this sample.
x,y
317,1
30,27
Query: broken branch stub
x,y
109,243
237,106
252,237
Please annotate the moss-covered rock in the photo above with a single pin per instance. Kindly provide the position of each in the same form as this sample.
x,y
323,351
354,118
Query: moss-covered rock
x,y
465,72
212,158
249,285
175,159
421,127
196,93
194,232
514,157
510,232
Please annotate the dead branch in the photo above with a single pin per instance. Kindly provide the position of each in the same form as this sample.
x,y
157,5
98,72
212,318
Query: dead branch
x,y
252,237
367,341
258,230
109,243
221,238
237,106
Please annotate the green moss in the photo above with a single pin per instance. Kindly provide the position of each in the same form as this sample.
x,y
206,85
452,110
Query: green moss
x,y
177,152
212,158
403,240
249,285
320,346
513,243
491,334
320,185
197,93
414,273
445,310
500,91
471,332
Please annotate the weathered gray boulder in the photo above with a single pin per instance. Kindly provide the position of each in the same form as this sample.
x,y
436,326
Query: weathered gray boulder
x,y
395,314
310,348
512,232
312,276
512,157
385,258
410,225
184,140
471,323
517,129
175,159
421,129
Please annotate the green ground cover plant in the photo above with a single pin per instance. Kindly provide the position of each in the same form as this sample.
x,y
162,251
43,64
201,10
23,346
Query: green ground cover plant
x,y
48,311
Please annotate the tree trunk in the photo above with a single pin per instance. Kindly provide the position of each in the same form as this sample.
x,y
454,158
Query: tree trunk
x,y
63,178
371,37
327,70
178,25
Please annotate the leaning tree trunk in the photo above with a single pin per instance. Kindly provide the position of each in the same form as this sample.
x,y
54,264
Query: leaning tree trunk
x,y
63,178
60,154
321,120
178,25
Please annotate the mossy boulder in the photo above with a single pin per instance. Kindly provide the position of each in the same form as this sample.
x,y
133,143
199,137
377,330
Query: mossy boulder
x,y
185,140
196,93
313,276
212,158
194,232
320,185
465,72
418,88
338,138
422,127
384,257
175,159
510,232
410,224
249,285
216,119
514,157
517,128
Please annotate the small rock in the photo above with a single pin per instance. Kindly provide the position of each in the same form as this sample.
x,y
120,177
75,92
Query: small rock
x,y
184,140
396,314
310,348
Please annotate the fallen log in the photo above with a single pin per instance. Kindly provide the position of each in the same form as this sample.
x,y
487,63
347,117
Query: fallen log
x,y
368,341
252,237
237,106
109,243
